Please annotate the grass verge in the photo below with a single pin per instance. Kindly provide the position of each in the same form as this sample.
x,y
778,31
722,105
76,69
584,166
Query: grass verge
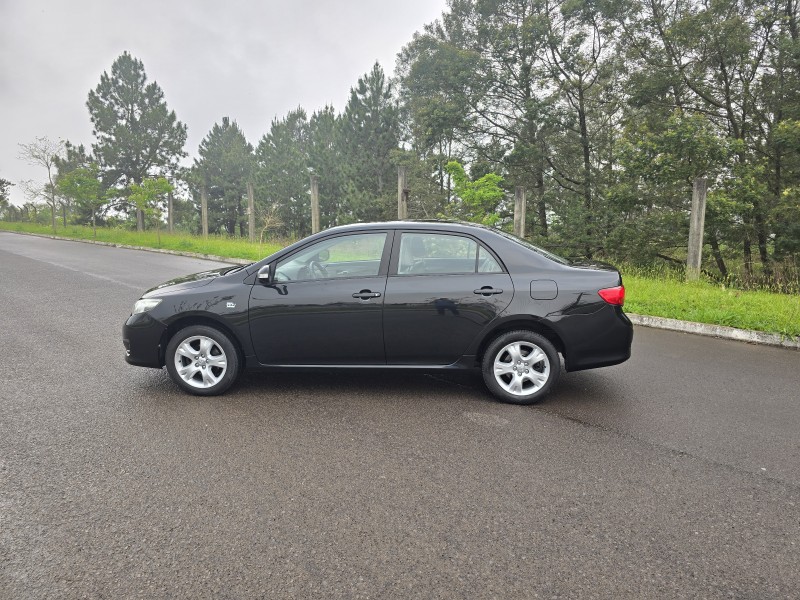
x,y
658,294
214,244
705,302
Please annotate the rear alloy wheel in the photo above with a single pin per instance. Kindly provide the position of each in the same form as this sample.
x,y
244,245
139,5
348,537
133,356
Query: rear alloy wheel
x,y
202,360
520,367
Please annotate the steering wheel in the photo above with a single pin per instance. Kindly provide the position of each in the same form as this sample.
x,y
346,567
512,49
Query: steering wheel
x,y
317,270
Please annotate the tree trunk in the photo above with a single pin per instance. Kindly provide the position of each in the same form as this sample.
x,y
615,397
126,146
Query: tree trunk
x,y
587,173
714,243
139,220
761,237
748,256
541,208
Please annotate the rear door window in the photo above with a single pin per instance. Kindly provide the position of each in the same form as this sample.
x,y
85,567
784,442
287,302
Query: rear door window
x,y
440,253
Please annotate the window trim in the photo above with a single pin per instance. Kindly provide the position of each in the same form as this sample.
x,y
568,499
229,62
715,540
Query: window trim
x,y
395,258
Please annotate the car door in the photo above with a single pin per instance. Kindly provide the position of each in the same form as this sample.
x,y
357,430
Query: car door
x,y
442,290
324,303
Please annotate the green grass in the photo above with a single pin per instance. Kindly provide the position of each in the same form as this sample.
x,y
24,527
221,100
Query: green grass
x,y
654,292
705,302
214,244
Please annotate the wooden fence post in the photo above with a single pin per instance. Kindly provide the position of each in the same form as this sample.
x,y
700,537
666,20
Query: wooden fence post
x,y
696,224
251,212
519,211
314,204
204,210
169,213
402,193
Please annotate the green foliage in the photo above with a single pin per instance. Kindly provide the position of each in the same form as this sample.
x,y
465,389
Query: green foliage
x,y
137,136
437,89
283,175
427,196
370,132
7,210
84,188
5,186
224,168
476,201
786,218
350,154
324,161
605,112
148,195
681,149
75,157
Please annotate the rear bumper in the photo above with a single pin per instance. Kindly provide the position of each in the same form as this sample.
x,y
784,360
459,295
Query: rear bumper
x,y
601,340
142,337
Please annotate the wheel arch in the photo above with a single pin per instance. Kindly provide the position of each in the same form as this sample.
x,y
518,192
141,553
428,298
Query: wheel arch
x,y
529,324
190,320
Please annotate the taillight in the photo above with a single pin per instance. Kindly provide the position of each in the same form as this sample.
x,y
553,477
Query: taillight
x,y
614,295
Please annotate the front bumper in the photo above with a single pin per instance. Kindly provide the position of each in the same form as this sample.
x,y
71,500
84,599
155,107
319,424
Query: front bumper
x,y
143,336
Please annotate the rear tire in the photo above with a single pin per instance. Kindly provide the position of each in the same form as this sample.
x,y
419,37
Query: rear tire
x,y
520,367
202,360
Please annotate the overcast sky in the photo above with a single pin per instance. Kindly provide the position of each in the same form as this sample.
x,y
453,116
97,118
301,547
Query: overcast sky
x,y
250,60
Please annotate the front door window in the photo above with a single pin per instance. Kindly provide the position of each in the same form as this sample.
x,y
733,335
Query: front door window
x,y
356,255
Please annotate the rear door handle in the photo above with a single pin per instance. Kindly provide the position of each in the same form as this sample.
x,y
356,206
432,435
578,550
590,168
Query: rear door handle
x,y
366,295
488,291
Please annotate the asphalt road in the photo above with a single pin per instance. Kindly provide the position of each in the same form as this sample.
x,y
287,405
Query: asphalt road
x,y
674,475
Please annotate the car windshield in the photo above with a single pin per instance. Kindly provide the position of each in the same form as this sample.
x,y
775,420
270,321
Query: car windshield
x,y
529,246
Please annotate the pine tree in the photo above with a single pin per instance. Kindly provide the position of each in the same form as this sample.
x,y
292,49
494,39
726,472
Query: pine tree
x,y
224,168
137,135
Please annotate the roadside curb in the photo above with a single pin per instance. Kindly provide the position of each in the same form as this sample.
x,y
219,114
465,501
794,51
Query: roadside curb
x,y
224,259
718,331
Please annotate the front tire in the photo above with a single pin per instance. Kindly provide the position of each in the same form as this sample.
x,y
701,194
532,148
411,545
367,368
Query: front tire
x,y
520,367
202,360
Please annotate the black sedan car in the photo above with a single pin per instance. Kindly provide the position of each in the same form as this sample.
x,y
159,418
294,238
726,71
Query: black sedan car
x,y
399,295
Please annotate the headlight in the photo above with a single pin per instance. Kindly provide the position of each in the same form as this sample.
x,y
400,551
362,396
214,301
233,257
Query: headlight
x,y
145,305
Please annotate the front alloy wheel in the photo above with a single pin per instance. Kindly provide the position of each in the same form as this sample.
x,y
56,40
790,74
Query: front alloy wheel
x,y
202,360
520,367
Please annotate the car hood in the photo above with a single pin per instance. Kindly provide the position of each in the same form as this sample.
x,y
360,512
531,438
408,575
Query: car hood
x,y
186,282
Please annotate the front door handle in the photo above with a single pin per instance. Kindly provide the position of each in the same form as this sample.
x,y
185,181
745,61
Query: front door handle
x,y
366,295
488,291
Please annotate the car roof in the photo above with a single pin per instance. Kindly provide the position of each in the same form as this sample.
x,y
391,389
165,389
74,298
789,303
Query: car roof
x,y
440,224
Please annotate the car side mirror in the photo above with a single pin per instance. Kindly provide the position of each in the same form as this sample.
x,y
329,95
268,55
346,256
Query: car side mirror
x,y
264,275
